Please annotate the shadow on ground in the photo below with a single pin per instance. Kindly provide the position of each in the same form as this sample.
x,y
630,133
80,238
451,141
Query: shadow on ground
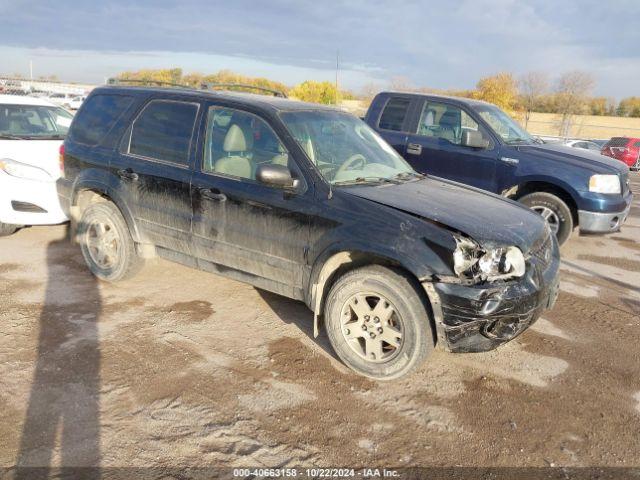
x,y
62,424
297,313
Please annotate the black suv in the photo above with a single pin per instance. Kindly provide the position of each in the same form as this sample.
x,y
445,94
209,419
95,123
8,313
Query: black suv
x,y
310,203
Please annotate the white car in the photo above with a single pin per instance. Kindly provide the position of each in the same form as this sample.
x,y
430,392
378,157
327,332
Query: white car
x,y
31,133
584,144
75,102
60,99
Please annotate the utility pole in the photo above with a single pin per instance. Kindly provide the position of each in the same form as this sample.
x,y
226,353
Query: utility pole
x,y
337,68
31,69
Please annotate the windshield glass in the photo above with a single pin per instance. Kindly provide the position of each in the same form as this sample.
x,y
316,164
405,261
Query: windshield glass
x,y
503,125
33,122
344,148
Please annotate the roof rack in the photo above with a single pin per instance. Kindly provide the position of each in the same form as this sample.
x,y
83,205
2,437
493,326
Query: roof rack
x,y
211,86
124,81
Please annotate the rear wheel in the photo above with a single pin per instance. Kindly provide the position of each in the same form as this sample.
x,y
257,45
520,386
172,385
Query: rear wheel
x,y
7,229
377,322
106,243
554,211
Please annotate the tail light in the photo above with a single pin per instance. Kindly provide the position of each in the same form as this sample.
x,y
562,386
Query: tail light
x,y
61,159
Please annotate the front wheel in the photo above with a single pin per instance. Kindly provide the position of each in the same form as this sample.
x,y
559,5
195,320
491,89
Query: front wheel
x,y
7,229
378,323
554,211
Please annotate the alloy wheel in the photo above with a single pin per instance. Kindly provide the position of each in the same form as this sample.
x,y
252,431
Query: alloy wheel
x,y
103,244
550,216
372,327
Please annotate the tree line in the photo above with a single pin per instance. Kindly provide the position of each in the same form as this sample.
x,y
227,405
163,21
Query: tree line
x,y
571,93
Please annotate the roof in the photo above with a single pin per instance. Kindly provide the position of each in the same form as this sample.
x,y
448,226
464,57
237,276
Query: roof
x,y
261,101
24,100
463,100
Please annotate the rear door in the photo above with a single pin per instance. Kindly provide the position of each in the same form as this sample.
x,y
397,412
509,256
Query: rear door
x,y
241,227
434,146
154,167
395,119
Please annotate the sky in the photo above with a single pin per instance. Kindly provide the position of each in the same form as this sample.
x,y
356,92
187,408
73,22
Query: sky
x,y
448,45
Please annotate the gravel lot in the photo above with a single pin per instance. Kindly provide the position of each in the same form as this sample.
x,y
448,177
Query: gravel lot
x,y
180,367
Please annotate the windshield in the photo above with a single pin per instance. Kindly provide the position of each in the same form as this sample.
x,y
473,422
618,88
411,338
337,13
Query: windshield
x,y
344,149
33,122
503,125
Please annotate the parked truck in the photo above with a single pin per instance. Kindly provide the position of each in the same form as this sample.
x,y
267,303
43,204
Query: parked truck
x,y
476,143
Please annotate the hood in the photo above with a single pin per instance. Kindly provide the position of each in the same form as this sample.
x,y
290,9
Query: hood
x,y
39,153
487,218
576,156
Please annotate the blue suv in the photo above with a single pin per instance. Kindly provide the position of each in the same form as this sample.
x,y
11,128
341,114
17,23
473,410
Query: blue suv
x,y
476,143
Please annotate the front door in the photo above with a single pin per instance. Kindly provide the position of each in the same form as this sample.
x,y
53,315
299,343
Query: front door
x,y
155,175
243,228
435,147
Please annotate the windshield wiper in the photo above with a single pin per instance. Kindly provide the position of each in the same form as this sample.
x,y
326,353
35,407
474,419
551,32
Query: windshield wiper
x,y
57,136
407,175
7,136
362,180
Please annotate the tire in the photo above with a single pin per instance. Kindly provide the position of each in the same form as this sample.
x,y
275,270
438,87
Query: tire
x,y
106,243
410,317
554,210
7,229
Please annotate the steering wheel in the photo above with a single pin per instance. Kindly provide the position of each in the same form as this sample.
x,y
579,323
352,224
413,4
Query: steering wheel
x,y
352,160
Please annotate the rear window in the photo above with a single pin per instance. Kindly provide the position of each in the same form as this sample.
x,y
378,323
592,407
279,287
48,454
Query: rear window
x,y
97,116
163,131
617,142
394,113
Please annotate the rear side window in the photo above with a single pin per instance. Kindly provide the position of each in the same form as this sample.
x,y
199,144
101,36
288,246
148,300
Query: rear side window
x,y
163,131
394,113
617,142
97,116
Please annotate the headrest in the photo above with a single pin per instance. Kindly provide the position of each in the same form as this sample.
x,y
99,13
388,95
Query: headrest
x,y
449,118
430,118
235,140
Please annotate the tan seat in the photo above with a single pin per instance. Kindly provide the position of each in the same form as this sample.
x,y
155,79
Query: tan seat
x,y
282,158
235,163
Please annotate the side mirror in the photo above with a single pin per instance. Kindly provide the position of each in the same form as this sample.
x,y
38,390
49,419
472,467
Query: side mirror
x,y
275,175
473,139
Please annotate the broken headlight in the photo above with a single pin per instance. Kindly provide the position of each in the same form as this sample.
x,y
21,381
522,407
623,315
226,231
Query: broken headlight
x,y
472,262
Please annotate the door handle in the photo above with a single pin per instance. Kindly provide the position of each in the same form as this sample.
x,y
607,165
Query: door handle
x,y
414,148
510,161
212,194
127,174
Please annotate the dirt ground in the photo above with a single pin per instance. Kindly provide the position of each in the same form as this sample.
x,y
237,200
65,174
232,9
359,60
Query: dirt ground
x,y
179,367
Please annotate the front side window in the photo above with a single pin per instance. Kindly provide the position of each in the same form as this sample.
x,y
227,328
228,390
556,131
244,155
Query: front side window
x,y
237,142
33,122
440,120
394,113
503,125
344,148
163,131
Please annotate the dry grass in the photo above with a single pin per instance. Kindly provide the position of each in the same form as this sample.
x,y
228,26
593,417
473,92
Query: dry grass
x,y
585,126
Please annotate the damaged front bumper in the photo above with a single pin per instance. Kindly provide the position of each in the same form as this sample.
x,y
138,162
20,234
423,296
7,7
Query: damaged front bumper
x,y
477,318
